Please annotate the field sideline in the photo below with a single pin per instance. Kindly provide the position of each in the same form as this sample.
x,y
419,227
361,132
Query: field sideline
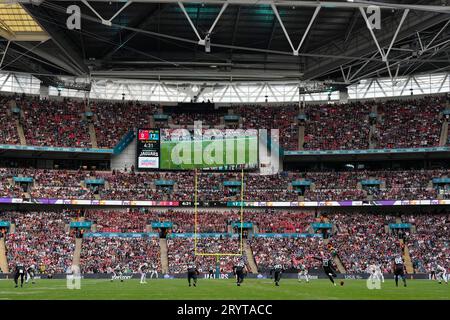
x,y
252,289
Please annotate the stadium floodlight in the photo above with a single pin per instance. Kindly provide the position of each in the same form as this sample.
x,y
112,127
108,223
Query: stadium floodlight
x,y
207,44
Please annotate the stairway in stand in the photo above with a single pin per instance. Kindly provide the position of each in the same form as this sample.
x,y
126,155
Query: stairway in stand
x,y
407,258
164,258
339,264
372,141
77,252
21,134
3,259
444,134
93,136
250,259
301,137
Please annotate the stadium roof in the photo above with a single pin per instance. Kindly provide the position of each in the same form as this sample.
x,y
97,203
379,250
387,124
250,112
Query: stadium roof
x,y
249,40
17,25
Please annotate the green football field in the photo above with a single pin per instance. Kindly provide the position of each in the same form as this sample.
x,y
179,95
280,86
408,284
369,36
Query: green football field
x,y
250,151
254,289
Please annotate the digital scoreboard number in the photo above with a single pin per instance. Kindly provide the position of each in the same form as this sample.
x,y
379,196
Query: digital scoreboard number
x,y
148,149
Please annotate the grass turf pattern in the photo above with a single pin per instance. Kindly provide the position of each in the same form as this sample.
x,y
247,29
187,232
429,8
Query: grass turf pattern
x,y
210,289
247,147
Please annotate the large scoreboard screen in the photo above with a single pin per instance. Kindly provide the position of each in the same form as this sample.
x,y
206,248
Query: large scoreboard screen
x,y
148,149
185,149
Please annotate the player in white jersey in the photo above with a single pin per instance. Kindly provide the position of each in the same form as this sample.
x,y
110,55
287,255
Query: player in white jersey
x,y
375,273
154,271
371,271
143,271
441,274
379,273
31,272
302,273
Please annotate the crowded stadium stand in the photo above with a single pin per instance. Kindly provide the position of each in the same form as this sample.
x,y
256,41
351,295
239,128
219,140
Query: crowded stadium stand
x,y
355,239
54,123
130,185
41,239
408,123
124,147
104,254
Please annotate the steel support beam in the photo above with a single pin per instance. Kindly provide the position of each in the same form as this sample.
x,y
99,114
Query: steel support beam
x,y
183,9
277,14
358,45
202,41
363,13
362,67
330,58
235,29
293,3
62,42
437,34
131,35
4,53
316,12
405,13
294,50
55,60
103,20
409,60
351,26
432,52
205,74
222,9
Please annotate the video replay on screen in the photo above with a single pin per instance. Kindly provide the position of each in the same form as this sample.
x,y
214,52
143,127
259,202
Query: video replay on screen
x,y
206,149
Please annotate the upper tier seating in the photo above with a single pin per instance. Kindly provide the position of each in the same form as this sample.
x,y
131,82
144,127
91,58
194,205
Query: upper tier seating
x,y
8,132
55,123
399,123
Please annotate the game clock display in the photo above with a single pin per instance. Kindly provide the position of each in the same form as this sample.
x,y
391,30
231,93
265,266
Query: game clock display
x,y
148,149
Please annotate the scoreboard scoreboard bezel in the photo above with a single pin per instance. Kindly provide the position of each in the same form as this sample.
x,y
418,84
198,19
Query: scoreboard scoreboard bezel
x,y
148,147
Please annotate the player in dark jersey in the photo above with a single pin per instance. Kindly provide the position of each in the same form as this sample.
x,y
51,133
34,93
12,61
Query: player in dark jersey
x,y
239,271
328,268
211,272
117,273
192,274
19,273
277,271
399,270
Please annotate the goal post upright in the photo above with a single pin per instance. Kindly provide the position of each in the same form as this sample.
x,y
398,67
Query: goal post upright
x,y
195,212
242,211
218,255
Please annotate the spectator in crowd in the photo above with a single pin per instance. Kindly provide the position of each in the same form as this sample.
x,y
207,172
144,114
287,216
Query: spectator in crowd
x,y
40,238
104,254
